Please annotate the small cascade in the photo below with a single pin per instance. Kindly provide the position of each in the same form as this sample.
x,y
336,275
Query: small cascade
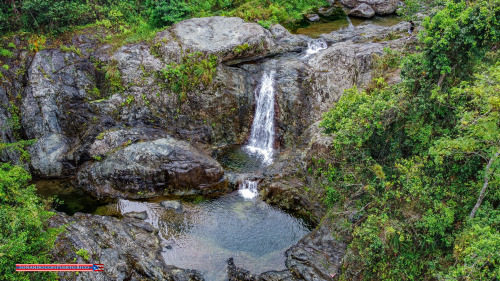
x,y
315,45
262,135
351,26
248,189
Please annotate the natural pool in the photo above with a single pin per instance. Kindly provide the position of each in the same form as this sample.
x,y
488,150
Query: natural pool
x,y
207,231
315,29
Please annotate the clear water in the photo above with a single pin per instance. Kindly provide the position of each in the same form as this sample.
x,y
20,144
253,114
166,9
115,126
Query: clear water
x,y
261,140
205,235
69,200
235,158
313,30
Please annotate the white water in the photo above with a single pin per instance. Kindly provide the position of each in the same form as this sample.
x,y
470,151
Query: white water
x,y
248,189
351,26
315,45
262,135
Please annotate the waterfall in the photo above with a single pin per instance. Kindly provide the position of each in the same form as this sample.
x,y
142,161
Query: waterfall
x,y
262,135
248,189
351,26
315,45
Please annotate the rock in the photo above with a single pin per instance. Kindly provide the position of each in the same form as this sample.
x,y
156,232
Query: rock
x,y
381,7
363,11
6,132
129,249
151,168
114,139
175,205
316,256
55,112
326,11
219,36
279,32
312,17
137,215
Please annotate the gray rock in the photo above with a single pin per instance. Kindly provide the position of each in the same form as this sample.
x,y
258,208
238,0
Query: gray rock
x,y
312,17
363,11
317,256
220,36
128,248
151,168
114,139
55,111
381,7
175,205
137,215
326,11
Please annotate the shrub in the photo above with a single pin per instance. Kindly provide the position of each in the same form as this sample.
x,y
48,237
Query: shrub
x,y
24,234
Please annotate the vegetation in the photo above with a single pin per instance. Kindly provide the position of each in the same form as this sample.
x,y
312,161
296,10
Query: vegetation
x,y
56,16
418,162
24,234
194,72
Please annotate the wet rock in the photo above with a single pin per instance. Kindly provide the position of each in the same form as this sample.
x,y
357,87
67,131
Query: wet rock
x,y
128,248
317,256
151,168
312,17
137,215
381,7
175,205
363,11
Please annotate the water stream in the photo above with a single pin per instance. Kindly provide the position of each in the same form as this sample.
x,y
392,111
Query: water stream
x,y
315,45
262,135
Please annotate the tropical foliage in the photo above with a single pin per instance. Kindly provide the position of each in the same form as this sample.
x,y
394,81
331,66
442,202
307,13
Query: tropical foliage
x,y
418,162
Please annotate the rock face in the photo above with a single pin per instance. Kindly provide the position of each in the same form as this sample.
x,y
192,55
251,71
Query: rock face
x,y
381,7
129,249
363,10
151,168
54,111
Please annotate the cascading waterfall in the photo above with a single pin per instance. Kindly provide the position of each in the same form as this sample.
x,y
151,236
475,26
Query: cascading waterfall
x,y
248,189
315,45
262,135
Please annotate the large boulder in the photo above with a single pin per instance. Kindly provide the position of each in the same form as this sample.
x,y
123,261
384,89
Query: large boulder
x,y
130,249
152,168
381,7
363,11
226,37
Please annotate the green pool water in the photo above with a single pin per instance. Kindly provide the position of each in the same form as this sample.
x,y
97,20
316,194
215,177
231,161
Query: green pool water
x,y
317,28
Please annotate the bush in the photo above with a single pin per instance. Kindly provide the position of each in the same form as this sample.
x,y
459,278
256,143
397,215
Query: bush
x,y
24,234
167,12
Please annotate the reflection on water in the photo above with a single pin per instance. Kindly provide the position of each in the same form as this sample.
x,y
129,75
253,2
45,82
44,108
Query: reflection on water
x,y
317,28
69,199
205,235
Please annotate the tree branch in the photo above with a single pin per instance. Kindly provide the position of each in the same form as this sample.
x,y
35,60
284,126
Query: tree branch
x,y
485,185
